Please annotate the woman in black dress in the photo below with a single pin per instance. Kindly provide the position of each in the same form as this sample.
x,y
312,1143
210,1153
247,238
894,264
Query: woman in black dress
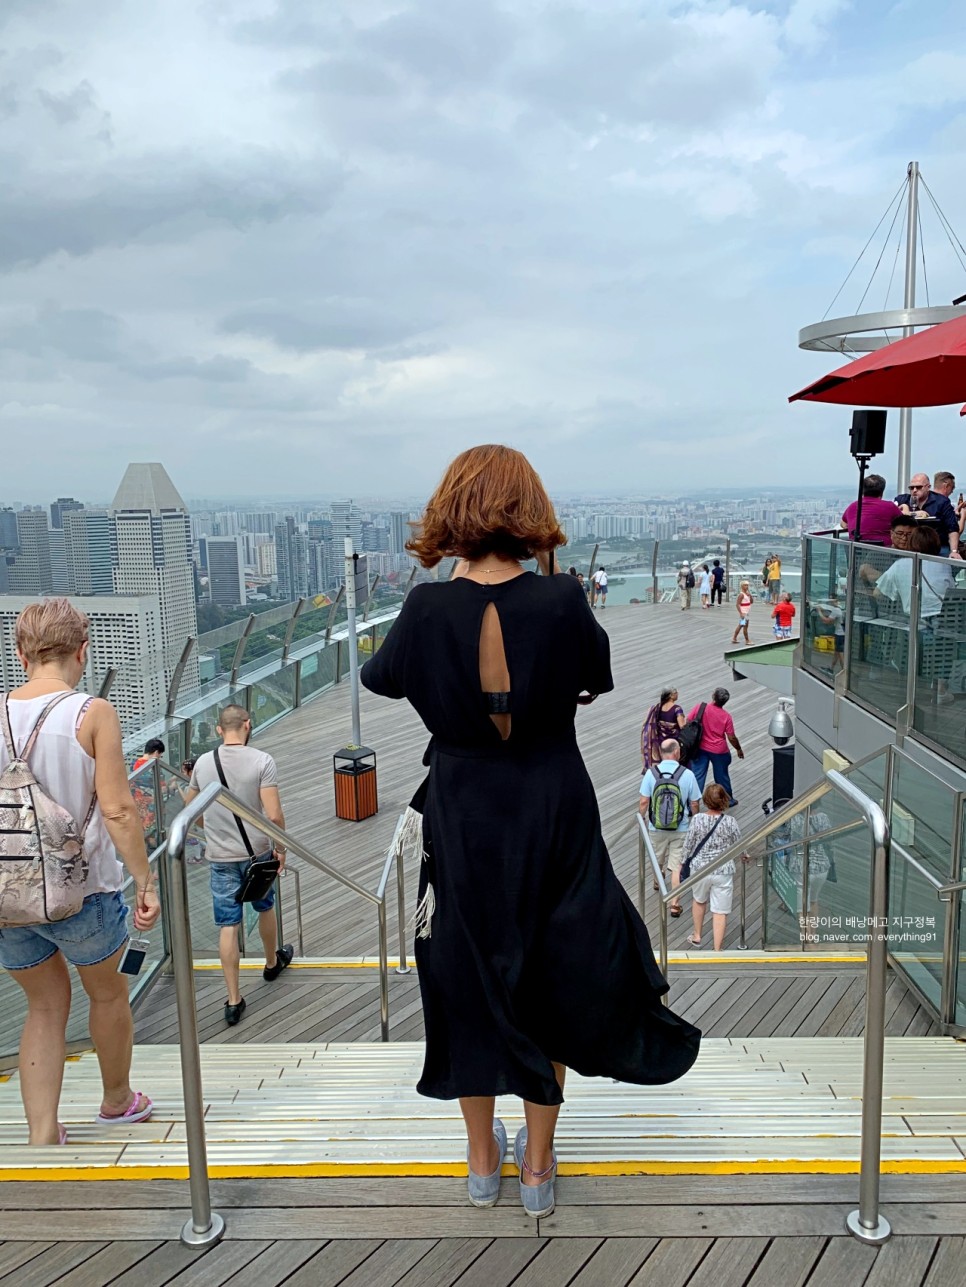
x,y
531,956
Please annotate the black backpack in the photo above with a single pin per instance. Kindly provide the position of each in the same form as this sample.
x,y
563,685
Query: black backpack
x,y
690,735
689,580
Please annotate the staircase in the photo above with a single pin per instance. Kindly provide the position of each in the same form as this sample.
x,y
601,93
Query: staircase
x,y
774,1106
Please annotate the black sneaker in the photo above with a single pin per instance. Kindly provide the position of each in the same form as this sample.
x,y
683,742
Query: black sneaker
x,y
283,959
234,1012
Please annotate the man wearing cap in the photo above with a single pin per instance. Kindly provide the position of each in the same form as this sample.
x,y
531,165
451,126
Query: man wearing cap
x,y
932,509
685,585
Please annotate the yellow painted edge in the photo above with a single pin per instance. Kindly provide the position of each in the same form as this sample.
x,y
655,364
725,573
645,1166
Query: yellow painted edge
x,y
708,958
413,1170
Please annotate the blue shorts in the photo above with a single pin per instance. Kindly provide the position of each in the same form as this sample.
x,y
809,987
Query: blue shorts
x,y
226,881
97,931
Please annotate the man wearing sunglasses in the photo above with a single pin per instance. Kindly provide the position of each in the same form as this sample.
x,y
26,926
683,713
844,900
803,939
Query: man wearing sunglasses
x,y
933,510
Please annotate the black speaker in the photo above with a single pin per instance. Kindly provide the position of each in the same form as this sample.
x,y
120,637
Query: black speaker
x,y
782,774
868,433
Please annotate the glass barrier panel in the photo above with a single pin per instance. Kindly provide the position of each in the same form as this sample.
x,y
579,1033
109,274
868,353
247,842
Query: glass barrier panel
x,y
917,924
923,811
877,628
824,606
941,669
204,723
318,672
145,799
343,659
871,778
273,696
960,964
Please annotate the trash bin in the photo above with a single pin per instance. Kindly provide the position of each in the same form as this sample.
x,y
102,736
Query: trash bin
x,y
354,769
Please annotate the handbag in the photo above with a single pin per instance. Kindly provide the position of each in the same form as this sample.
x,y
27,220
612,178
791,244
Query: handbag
x,y
686,865
261,873
689,737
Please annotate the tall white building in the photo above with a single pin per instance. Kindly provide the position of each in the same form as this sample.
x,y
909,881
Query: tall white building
x,y
152,556
125,634
87,541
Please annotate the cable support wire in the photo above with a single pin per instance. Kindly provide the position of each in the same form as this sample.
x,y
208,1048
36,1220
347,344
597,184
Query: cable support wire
x,y
895,261
885,244
946,226
897,201
922,254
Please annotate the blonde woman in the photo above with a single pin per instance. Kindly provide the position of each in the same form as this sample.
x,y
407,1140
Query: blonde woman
x,y
73,745
743,603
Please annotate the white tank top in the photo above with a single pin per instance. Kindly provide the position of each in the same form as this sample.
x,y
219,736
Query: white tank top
x,y
66,771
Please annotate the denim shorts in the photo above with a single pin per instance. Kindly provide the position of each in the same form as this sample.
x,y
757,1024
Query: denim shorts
x,y
96,932
226,881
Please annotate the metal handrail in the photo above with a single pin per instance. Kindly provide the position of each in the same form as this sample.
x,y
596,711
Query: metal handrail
x,y
946,892
867,1223
206,1226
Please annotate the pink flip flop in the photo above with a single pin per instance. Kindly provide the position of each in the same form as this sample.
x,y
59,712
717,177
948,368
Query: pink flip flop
x,y
133,1114
61,1133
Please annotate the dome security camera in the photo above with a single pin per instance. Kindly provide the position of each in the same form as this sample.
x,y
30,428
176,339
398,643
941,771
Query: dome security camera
x,y
780,727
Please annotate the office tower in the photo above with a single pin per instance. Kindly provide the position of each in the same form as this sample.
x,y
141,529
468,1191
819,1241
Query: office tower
x,y
203,554
291,560
399,531
152,555
58,561
374,536
61,506
346,521
123,632
227,523
8,529
265,563
318,567
226,571
30,572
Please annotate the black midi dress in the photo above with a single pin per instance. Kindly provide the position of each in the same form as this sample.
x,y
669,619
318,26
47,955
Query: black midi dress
x,y
536,953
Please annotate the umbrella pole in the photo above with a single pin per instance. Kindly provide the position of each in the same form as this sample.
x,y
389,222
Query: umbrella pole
x,y
909,301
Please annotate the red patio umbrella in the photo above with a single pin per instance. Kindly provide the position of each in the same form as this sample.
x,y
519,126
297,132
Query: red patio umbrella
x,y
927,369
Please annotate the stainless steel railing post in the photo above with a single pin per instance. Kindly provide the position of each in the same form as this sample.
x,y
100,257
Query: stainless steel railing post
x,y
867,1224
403,966
383,971
806,859
742,899
205,1227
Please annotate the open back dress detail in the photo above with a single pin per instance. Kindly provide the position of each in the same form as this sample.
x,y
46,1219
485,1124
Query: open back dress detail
x,y
536,954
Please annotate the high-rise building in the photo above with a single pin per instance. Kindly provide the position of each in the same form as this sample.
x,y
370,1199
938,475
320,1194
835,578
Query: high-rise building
x,y
58,561
61,506
226,571
30,572
152,555
260,522
265,563
291,560
8,529
399,531
124,633
87,541
318,567
346,521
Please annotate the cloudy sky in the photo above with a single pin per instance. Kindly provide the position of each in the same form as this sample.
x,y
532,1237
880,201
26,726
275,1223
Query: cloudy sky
x,y
291,247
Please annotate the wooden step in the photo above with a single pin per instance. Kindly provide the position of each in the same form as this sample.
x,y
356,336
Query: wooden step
x,y
769,1105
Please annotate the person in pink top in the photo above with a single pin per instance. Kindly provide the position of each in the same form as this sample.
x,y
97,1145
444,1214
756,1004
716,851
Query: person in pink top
x,y
717,730
877,514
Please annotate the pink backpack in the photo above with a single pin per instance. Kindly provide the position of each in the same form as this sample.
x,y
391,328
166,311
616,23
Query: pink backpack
x,y
43,869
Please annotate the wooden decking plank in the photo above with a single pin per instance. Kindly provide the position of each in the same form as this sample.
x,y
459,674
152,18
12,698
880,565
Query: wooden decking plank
x,y
445,1264
844,1261
389,1263
811,1023
501,1263
803,1007
220,1264
15,1254
615,1262
730,1262
782,1003
105,1265
558,1262
947,1268
788,1261
902,1262
689,1220
60,1259
724,1018
332,1265
672,1263
277,1263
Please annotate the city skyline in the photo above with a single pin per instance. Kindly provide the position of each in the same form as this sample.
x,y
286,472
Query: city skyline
x,y
345,244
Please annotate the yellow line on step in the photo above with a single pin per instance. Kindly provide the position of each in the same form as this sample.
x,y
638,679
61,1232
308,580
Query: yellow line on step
x,y
680,959
414,1170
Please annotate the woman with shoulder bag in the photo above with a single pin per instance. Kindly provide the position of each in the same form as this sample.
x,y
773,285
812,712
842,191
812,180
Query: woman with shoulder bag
x,y
709,836
71,745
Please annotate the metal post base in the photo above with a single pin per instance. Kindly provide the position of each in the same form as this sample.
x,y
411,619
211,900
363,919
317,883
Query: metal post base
x,y
214,1233
881,1233
399,969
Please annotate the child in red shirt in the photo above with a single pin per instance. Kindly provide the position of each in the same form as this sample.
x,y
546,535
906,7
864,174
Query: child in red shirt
x,y
783,612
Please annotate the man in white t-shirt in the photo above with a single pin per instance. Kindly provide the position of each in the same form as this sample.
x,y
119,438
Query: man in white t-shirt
x,y
232,846
599,581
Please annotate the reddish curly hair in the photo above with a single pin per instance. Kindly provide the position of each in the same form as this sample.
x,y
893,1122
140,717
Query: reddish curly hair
x,y
489,501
